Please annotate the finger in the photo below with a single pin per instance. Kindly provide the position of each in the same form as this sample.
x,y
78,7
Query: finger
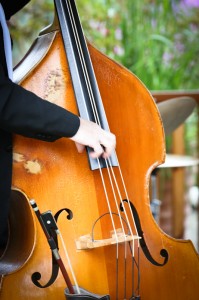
x,y
97,151
80,147
109,147
107,153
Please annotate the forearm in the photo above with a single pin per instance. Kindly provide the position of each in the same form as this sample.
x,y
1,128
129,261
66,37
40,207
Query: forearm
x,y
24,113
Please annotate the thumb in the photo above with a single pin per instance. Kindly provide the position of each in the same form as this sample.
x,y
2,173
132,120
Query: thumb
x,y
80,147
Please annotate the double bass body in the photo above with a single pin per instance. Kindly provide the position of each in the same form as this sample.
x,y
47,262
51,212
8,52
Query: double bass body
x,y
57,177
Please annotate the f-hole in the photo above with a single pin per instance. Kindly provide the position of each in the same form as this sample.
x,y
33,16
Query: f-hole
x,y
22,234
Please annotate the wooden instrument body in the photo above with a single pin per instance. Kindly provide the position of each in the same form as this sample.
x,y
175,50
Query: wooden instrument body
x,y
56,176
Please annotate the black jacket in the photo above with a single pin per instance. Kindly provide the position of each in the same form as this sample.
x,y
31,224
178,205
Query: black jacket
x,y
24,113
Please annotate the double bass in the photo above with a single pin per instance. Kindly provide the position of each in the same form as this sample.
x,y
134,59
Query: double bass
x,y
102,207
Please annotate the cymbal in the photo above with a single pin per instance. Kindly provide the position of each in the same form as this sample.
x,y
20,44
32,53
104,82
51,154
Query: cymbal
x,y
175,111
176,161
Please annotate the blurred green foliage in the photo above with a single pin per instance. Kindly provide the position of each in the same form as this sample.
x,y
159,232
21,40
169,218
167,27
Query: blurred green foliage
x,y
156,39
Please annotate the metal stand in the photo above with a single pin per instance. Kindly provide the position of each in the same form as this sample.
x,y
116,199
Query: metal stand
x,y
155,203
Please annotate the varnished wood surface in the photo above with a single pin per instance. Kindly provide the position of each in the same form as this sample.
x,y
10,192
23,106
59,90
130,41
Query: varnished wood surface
x,y
168,94
56,176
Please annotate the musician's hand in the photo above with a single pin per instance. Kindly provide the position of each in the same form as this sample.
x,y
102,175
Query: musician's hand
x,y
90,134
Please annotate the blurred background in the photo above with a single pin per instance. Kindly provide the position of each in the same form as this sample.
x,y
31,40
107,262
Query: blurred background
x,y
158,40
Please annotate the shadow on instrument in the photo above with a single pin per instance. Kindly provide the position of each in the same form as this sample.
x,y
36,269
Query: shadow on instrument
x,y
22,234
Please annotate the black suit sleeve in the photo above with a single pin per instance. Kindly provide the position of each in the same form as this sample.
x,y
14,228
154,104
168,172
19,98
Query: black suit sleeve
x,y
11,7
24,113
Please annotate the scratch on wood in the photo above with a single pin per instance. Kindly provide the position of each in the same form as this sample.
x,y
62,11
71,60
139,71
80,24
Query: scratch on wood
x,y
54,83
17,157
33,167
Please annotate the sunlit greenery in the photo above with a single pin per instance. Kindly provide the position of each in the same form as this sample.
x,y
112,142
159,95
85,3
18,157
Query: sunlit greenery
x,y
156,39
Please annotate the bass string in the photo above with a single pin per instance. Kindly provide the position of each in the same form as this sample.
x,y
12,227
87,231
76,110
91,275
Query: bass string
x,y
128,202
69,263
107,161
61,237
95,112
86,76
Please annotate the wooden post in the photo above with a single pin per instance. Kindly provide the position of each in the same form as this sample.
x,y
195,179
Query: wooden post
x,y
178,185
